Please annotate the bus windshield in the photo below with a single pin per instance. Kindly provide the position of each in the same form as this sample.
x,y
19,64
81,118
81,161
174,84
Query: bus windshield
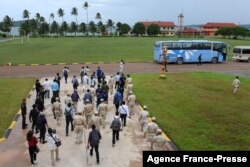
x,y
237,50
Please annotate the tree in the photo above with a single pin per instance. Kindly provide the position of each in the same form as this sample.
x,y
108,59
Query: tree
x,y
73,27
24,28
153,29
86,6
98,16
64,27
139,28
7,24
125,28
92,27
60,13
110,25
44,28
82,28
38,16
235,32
42,19
118,27
52,16
26,14
33,26
54,28
101,27
74,12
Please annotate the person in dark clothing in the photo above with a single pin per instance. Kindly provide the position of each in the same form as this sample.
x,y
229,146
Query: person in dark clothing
x,y
24,113
42,123
66,73
40,104
99,74
42,93
93,141
57,79
122,81
98,93
69,118
121,90
117,99
33,117
32,143
38,87
116,126
199,60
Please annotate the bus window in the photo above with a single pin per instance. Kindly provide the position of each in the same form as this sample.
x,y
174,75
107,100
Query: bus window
x,y
237,50
176,45
197,46
246,51
168,44
218,47
207,46
187,45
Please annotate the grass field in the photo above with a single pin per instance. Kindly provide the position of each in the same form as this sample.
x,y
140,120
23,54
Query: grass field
x,y
198,110
12,93
86,49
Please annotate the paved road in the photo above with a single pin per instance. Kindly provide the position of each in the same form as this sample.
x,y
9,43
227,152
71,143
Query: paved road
x,y
42,71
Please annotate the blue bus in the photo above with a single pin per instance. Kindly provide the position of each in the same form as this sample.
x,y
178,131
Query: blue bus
x,y
187,51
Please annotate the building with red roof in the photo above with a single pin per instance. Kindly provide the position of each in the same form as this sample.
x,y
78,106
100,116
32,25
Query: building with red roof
x,y
190,32
211,28
166,27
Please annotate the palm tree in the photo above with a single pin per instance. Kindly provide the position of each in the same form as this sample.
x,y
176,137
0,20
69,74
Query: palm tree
x,y
52,16
64,27
86,6
118,27
82,28
74,12
7,24
26,14
110,25
54,28
42,19
38,16
92,27
73,27
60,13
98,17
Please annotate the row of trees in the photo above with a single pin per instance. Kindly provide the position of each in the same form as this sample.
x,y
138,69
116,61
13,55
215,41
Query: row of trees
x,y
39,26
234,32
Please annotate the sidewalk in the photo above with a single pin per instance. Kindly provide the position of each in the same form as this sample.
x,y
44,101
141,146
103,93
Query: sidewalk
x,y
126,153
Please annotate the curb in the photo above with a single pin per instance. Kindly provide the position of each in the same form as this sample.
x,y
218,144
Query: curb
x,y
76,63
163,134
16,117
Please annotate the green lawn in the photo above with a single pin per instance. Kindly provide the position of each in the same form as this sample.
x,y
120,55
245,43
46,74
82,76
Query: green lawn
x,y
85,49
198,110
12,92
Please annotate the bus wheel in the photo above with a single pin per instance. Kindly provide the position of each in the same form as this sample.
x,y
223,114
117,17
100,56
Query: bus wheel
x,y
179,60
214,60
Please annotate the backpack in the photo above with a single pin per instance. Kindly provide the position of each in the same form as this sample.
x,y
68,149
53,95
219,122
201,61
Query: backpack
x,y
116,124
95,138
68,112
74,97
65,72
82,73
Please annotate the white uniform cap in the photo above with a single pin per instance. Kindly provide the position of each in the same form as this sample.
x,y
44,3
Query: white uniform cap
x,y
96,112
145,107
87,100
153,119
102,99
57,98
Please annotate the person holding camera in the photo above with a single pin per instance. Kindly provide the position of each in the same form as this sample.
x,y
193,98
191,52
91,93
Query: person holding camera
x,y
52,139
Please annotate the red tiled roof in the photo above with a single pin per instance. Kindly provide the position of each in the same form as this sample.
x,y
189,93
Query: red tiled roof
x,y
220,25
159,23
190,30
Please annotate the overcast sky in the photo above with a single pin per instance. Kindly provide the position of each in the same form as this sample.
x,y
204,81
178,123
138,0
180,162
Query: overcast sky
x,y
131,11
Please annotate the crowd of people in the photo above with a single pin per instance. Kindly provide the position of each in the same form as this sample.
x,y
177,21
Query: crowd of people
x,y
98,90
